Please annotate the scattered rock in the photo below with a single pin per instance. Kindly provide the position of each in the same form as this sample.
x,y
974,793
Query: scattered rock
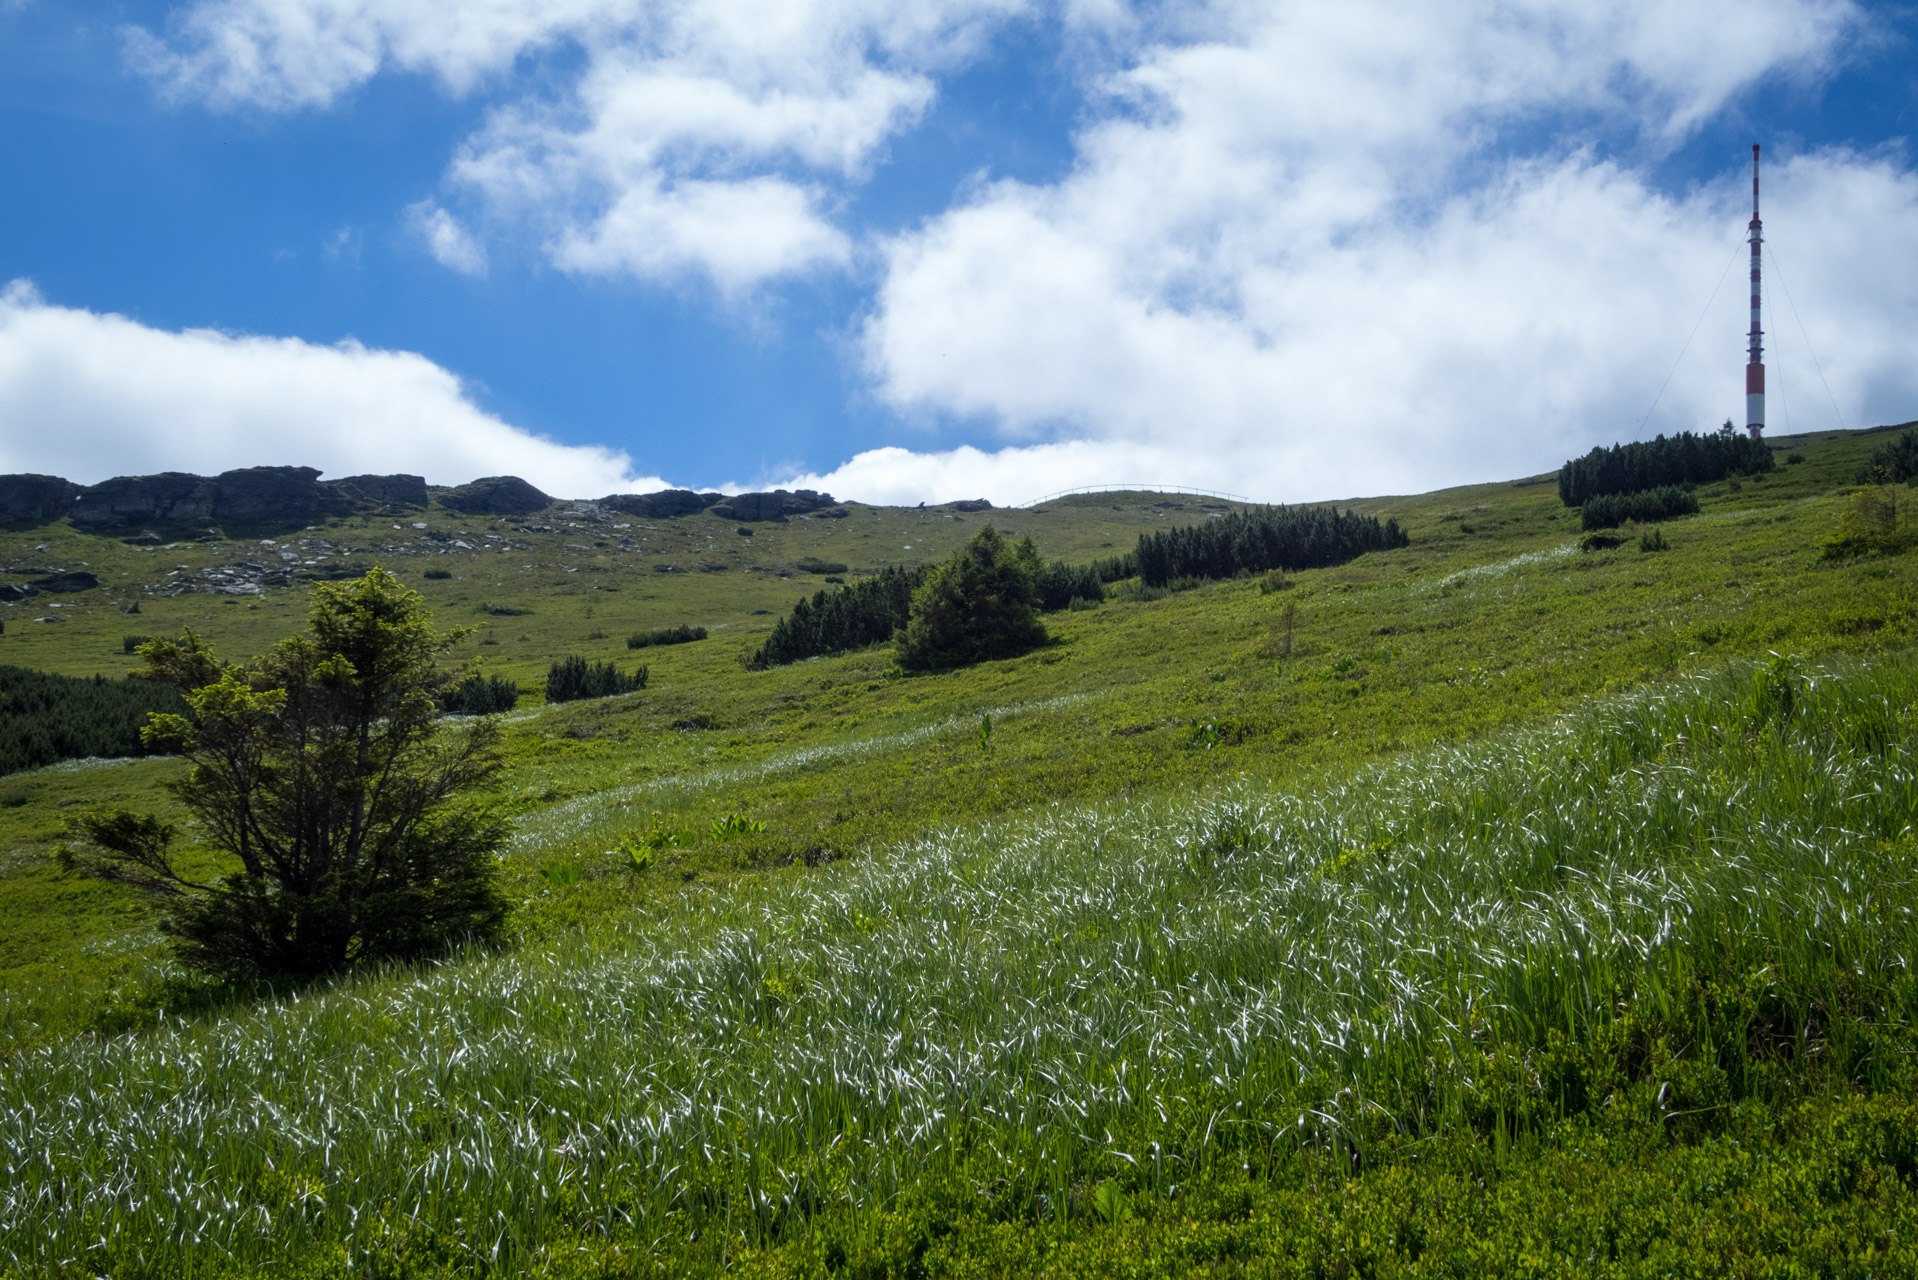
x,y
243,579
495,496
35,499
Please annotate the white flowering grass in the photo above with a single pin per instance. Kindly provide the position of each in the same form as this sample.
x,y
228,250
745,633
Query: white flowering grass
x,y
1128,984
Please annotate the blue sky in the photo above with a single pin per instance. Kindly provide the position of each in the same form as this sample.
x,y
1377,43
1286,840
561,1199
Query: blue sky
x,y
933,249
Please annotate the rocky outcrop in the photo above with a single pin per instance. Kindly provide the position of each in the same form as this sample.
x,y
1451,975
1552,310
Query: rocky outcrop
x,y
60,583
495,496
172,497
663,505
279,496
33,499
53,583
776,505
387,491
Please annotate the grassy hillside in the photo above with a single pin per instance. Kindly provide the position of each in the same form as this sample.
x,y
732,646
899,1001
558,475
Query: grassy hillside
x,y
1230,900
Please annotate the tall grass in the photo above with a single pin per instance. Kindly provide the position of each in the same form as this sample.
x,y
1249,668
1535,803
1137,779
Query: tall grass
x,y
1150,989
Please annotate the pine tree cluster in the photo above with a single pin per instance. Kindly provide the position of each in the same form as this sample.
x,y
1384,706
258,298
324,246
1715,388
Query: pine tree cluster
x,y
1262,538
572,679
1686,458
1605,510
479,696
47,718
1059,584
681,634
862,613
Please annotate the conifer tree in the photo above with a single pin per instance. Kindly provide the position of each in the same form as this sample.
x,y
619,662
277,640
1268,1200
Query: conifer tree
x,y
981,604
323,777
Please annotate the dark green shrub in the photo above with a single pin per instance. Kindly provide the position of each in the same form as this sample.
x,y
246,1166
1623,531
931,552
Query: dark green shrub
x,y
572,679
323,776
1894,463
864,613
1262,538
1060,585
1682,459
47,718
1609,509
129,643
439,574
666,635
479,696
1793,458
981,604
1653,539
811,565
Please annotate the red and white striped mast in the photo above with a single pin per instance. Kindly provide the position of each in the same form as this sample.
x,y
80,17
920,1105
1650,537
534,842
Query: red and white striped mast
x,y
1755,362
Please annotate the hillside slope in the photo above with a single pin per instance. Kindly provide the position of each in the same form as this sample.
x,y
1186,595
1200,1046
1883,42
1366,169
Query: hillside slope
x,y
1202,717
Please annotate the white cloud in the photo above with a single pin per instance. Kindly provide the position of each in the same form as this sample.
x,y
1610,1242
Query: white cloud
x,y
900,477
1304,249
89,396
450,243
700,136
1297,259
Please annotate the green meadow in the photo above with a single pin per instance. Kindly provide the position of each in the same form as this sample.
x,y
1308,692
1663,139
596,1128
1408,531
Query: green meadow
x,y
1504,904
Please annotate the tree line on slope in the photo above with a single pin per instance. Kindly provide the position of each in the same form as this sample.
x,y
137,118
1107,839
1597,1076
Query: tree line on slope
x,y
46,718
1687,458
876,609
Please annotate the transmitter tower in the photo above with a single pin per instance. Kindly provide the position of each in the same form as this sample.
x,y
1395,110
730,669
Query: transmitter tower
x,y
1755,360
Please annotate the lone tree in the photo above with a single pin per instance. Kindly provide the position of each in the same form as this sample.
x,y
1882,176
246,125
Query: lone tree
x,y
322,771
981,604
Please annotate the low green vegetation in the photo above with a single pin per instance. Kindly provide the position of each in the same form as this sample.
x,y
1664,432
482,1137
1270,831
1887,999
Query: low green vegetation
x,y
46,718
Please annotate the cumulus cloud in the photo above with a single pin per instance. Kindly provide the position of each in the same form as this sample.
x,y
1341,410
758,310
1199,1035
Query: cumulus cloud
x,y
450,243
1298,259
698,136
89,396
1303,249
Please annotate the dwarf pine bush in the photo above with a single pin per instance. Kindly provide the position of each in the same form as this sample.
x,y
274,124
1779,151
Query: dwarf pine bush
x,y
572,679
